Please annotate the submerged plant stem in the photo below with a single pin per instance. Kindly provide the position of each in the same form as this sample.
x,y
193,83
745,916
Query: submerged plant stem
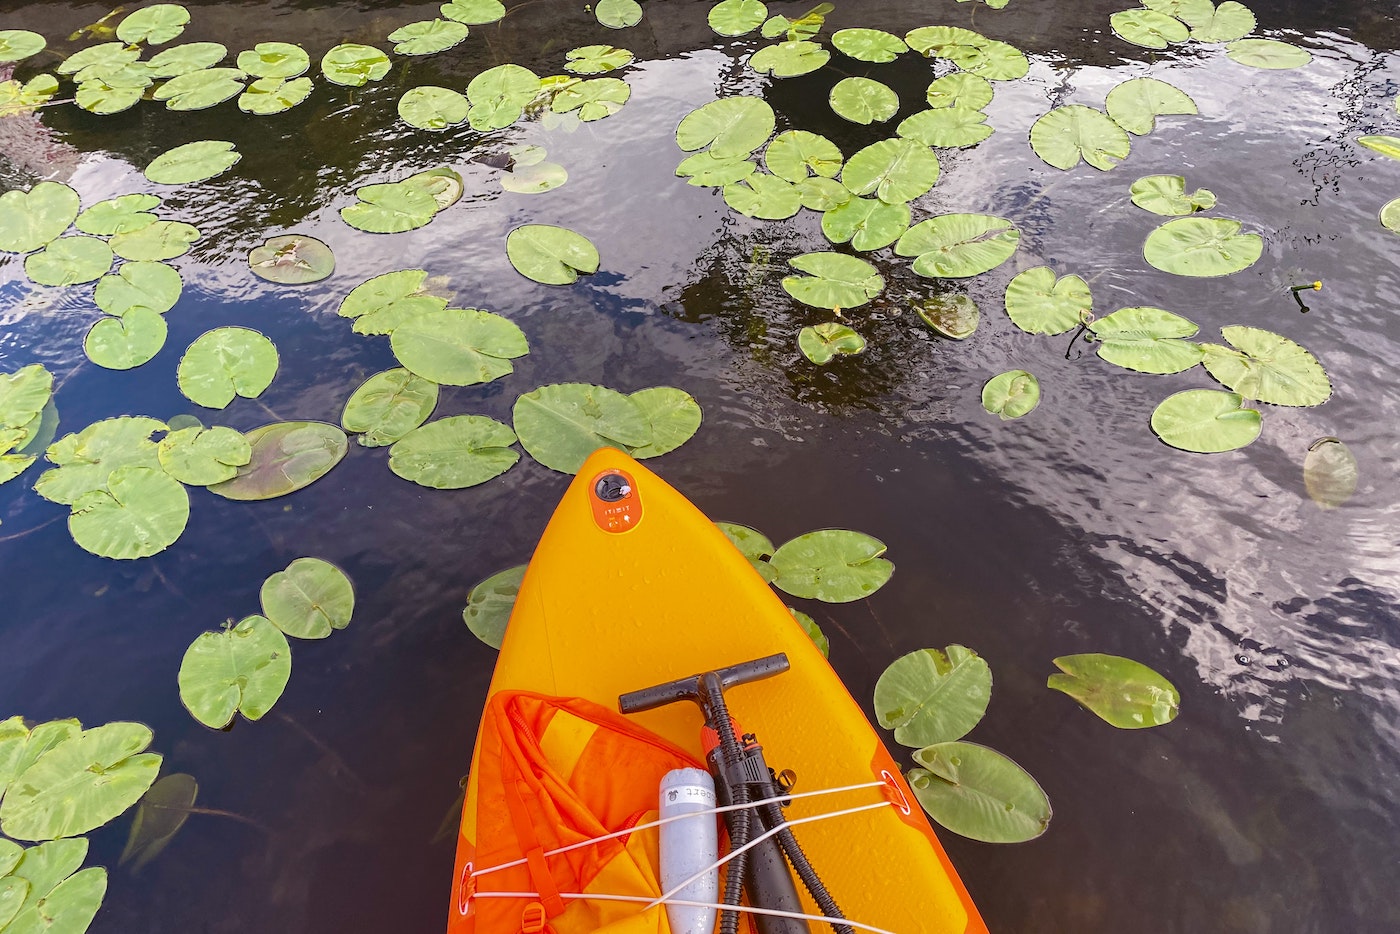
x,y
215,812
16,535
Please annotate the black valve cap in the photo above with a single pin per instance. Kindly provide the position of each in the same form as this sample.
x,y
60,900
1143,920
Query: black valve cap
x,y
612,487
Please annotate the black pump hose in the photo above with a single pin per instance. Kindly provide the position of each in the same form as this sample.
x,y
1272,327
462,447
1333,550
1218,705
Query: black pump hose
x,y
738,820
773,815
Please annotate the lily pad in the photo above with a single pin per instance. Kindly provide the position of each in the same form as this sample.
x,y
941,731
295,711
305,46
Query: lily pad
x,y
69,261
1202,247
1011,394
292,259
154,25
23,396
287,456
736,17
869,45
730,126
1182,9
275,60
380,304
763,196
59,900
187,58
141,512
789,59
442,184
390,208
428,37
822,194
1148,28
154,286
267,96
594,99
535,179
1166,195
866,223
19,44
550,255
833,280
432,108
474,12
1385,145
753,545
1148,340
118,215
156,241
98,97
243,669
203,456
946,127
353,65
388,406
1267,53
126,342
932,696
960,89
979,793
30,219
224,363
894,170
813,631
1329,472
1124,693
16,98
824,342
951,315
310,599
803,27
198,90
1205,421
1039,303
674,415
560,425
956,246
863,100
498,96
459,346
618,14
596,59
1226,22
87,458
161,813
793,154
104,54
831,565
1067,134
1267,367
489,605
1136,104
454,453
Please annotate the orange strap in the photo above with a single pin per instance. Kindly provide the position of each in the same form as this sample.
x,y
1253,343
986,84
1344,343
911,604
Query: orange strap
x,y
534,852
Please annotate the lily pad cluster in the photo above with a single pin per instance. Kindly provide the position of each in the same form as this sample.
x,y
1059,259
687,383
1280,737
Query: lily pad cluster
x,y
1161,24
1073,133
394,207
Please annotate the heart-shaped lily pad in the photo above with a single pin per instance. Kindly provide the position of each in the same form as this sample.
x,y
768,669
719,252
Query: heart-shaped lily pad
x,y
730,126
1269,54
869,45
141,512
380,304
833,280
267,96
474,12
946,127
118,215
454,453
1011,394
551,255
287,456
186,58
87,458
154,25
204,456
198,90
593,99
459,346
275,60
192,162
789,59
831,565
932,696
1206,421
1073,132
736,17
794,154
960,89
1166,195
753,545
310,599
822,343
126,342
428,37
30,219
498,96
1202,247
388,406
674,416
292,259
1148,340
1267,367
354,65
1122,692
952,315
596,59
243,668
893,170
16,98
956,246
763,196
863,100
224,363
154,286
1148,28
156,241
489,605
618,14
1136,104
69,261
18,44
979,793
432,108
1039,303
560,425
866,223
390,208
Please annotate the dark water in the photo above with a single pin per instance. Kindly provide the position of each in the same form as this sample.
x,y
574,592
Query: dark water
x,y
1271,804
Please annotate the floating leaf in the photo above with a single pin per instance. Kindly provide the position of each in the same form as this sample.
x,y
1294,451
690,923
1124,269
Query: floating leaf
x,y
106,54
1148,340
560,425
382,303
1205,421
1182,9
489,605
944,41
1267,53
822,194
432,108
831,565
824,342
23,395
267,96
1267,367
1038,303
204,456
459,346
1135,104
956,246
1202,247
18,44
292,259
946,127
618,14
1385,145
1148,28
674,416
766,197
933,696
224,363
309,599
970,51
894,170
154,286
200,89
287,456
118,215
390,208
979,793
753,545
789,59
960,89
1067,134
275,60
85,459
16,98
156,241
952,315
154,25
736,17
1390,216
474,12
869,45
795,153
596,59
69,261
1124,693
388,406
862,100
442,184
834,280
803,27
498,96
1011,394
241,669
454,453
730,126
428,37
1330,472
98,97
535,179
1166,195
353,65
867,223
140,513
30,219
551,255
1226,22
187,58
813,631
594,99
43,868
126,342
162,812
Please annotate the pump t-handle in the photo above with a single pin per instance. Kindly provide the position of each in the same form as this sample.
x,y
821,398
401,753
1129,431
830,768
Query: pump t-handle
x,y
692,688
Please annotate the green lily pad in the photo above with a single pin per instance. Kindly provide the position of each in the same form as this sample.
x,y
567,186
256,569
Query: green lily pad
x,y
594,99
793,154
489,605
1039,303
203,456
23,395
126,342
822,194
866,223
736,17
310,599
474,12
388,406
458,346
161,813
156,241
442,184
979,793
1267,53
1182,9
428,37
498,96
30,219
275,60
85,459
267,96
69,261
101,98
118,215
863,100
1124,693
454,453
1202,247
59,902
946,127
894,170
380,304
952,315
824,342
1206,421
1148,28
154,25
833,280
1267,367
21,747
956,246
970,51
1148,340
960,89
813,631
596,59
287,456
1067,134
390,208
789,59
730,126
154,286
1166,195
1385,145
353,65
618,14
535,179
140,513
187,58
763,196
803,27
831,565
753,545
104,54
1330,473
560,425
869,45
243,669
933,696
1011,394
224,363
550,255
16,98
432,108
292,259
200,89
1226,22
1136,104
674,415
18,44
